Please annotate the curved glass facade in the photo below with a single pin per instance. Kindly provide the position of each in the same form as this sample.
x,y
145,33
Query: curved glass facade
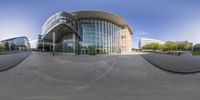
x,y
20,42
101,34
66,44
57,19
85,32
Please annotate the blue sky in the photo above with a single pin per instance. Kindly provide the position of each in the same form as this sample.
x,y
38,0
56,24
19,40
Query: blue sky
x,y
158,19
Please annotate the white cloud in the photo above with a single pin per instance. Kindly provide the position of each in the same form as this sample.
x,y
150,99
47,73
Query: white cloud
x,y
142,33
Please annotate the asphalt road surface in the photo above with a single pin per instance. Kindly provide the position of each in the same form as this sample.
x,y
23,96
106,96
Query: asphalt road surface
x,y
106,77
10,60
184,64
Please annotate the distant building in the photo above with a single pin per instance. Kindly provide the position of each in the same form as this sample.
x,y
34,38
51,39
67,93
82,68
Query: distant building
x,y
21,43
190,44
39,37
144,41
1,43
180,42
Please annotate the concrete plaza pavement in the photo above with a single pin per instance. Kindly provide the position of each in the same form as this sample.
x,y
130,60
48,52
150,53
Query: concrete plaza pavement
x,y
103,77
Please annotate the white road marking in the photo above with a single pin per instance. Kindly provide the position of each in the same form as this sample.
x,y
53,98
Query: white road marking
x,y
97,78
105,73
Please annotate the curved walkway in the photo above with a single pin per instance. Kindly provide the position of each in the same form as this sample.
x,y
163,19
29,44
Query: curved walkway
x,y
184,64
10,60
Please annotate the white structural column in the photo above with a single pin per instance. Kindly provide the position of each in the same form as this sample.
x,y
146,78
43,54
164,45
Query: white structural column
x,y
43,46
54,37
74,42
50,47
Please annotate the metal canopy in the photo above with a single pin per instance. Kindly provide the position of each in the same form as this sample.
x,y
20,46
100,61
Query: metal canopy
x,y
60,30
102,15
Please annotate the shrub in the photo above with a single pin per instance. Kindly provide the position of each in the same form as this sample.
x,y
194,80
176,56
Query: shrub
x,y
196,48
2,48
170,46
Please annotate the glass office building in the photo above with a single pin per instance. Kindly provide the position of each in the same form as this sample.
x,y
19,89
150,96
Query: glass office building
x,y
22,43
104,35
77,32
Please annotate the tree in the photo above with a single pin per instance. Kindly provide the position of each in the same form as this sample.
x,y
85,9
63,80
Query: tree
x,y
6,45
183,45
196,48
2,48
165,48
91,50
147,46
186,45
180,47
152,46
170,46
160,47
155,46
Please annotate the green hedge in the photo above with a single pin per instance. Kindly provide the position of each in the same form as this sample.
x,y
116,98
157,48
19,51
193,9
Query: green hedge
x,y
2,48
196,53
